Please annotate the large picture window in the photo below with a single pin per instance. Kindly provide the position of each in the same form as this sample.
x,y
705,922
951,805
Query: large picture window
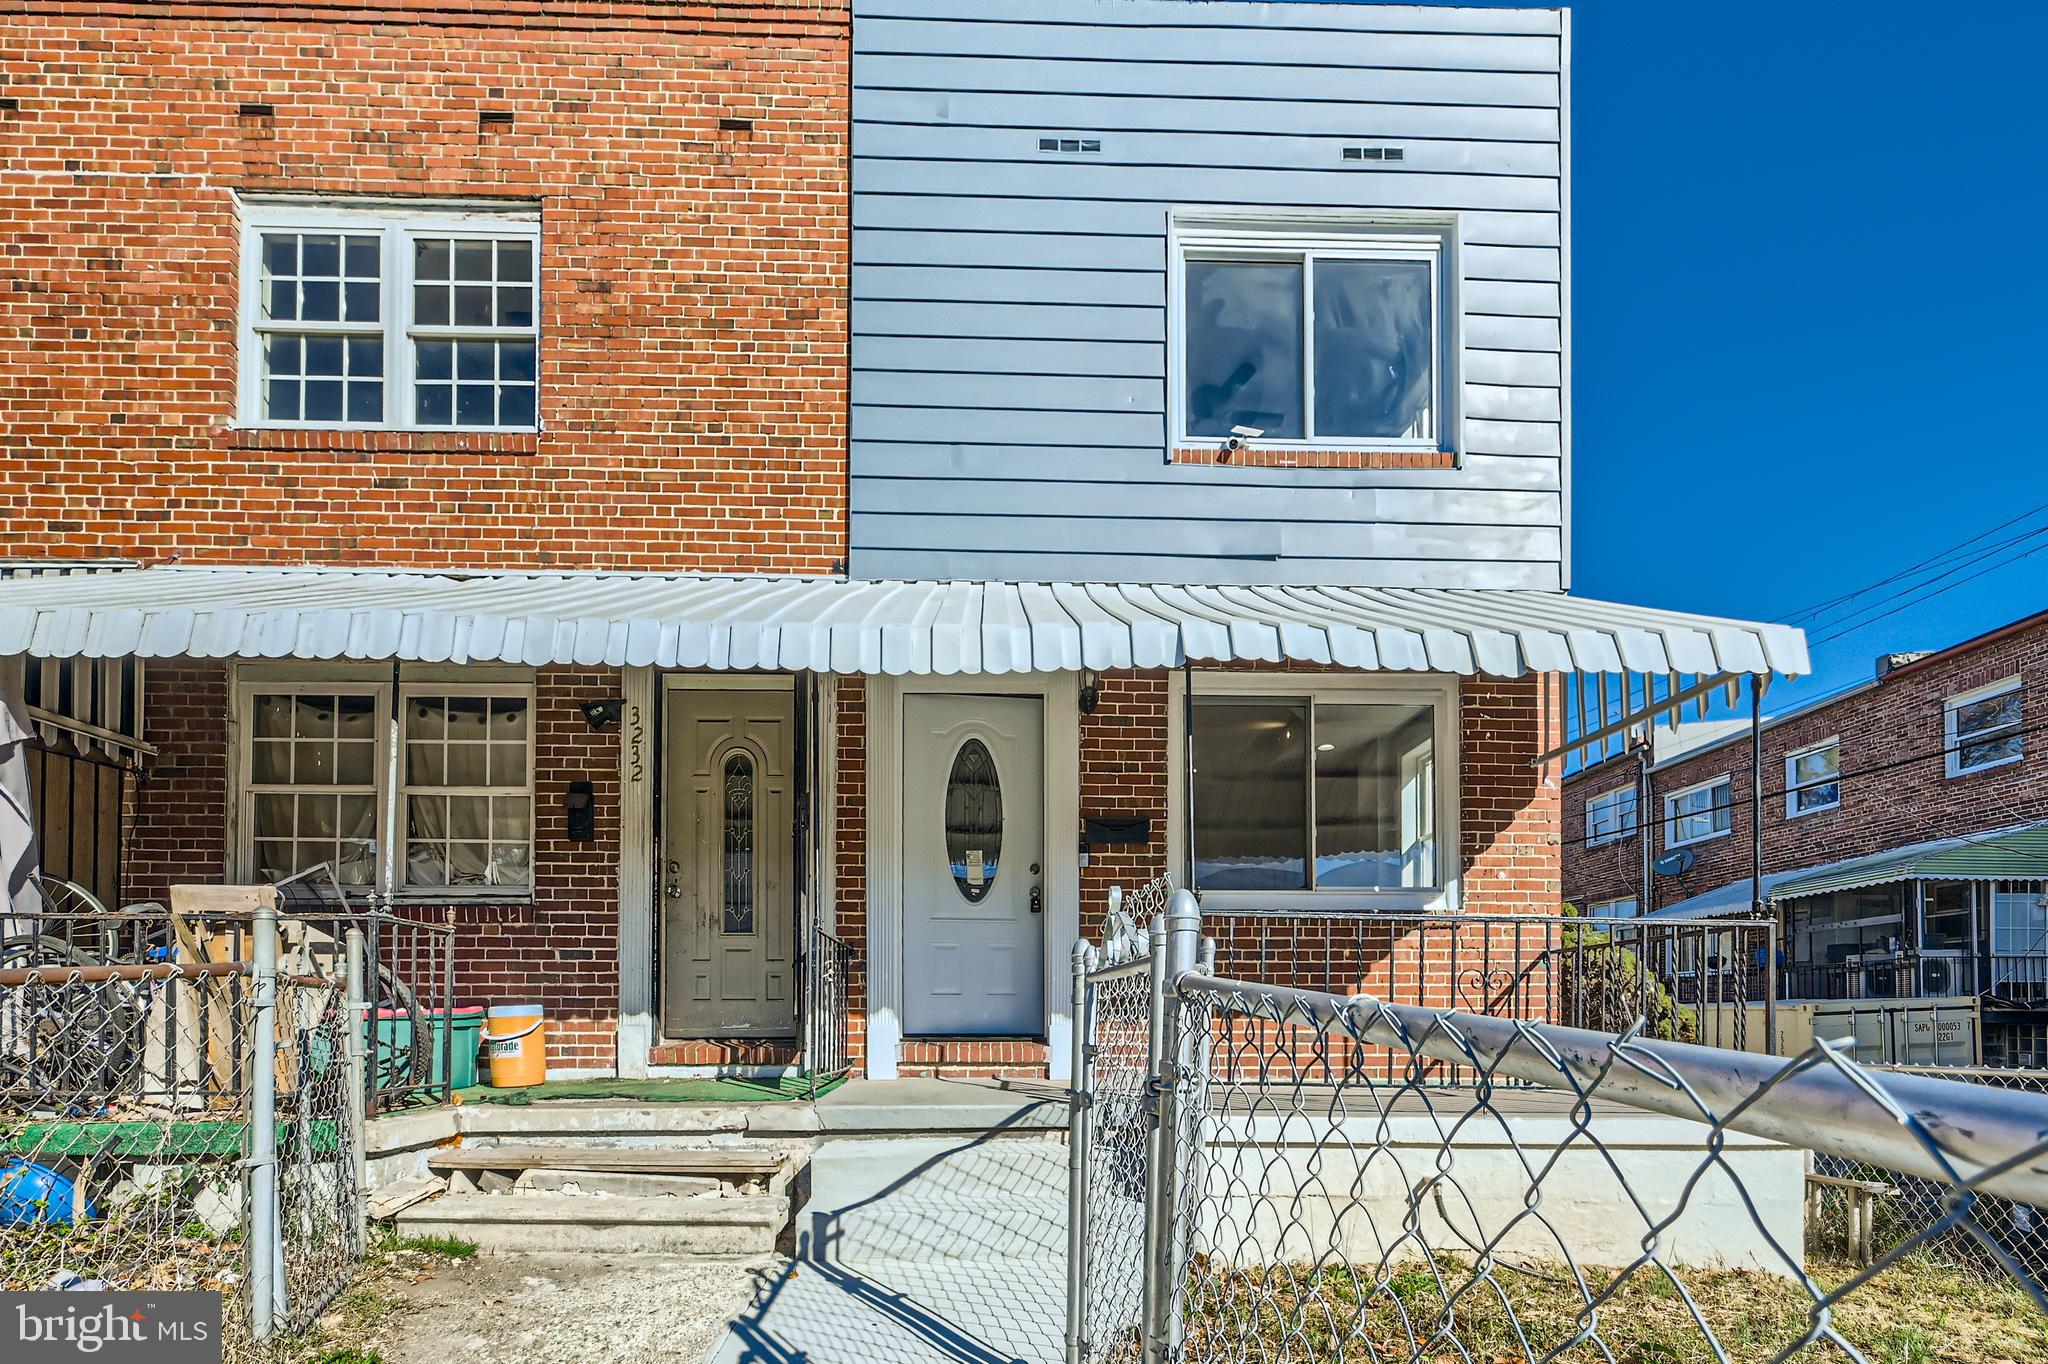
x,y
387,317
316,774
1318,792
1329,339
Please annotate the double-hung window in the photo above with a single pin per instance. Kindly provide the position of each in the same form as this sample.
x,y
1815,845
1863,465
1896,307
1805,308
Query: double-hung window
x,y
1699,813
1813,779
386,317
1624,907
1324,339
317,784
1319,789
1982,728
1610,815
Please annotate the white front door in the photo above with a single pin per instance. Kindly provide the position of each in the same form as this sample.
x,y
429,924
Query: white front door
x,y
973,864
728,918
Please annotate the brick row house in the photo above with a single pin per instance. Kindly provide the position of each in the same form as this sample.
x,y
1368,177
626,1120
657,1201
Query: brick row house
x,y
677,487
1904,846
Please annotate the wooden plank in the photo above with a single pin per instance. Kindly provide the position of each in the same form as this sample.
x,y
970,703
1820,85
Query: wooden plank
x,y
652,1160
1146,464
1214,40
1201,149
1521,89
1108,563
984,284
389,1202
1158,13
1089,113
935,209
1023,496
1361,186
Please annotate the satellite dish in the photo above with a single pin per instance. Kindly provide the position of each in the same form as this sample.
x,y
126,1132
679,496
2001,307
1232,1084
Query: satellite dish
x,y
1675,863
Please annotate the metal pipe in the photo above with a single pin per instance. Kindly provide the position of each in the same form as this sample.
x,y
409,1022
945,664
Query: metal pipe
x,y
1155,1227
1182,949
263,1221
57,973
1818,1108
1080,1102
356,1017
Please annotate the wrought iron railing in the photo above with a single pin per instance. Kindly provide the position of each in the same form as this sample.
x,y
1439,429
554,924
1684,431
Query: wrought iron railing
x,y
826,968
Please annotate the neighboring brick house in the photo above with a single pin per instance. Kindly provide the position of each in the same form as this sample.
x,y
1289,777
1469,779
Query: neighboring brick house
x,y
1863,793
609,471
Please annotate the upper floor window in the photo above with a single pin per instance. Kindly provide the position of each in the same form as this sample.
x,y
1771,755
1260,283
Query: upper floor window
x,y
1610,815
1813,779
1625,907
1699,813
1982,728
1324,340
388,317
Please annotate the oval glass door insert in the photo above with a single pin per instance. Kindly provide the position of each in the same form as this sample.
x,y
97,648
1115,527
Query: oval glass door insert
x,y
974,820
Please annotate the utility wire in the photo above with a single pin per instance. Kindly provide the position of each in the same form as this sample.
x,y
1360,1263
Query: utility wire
x,y
1930,596
1815,610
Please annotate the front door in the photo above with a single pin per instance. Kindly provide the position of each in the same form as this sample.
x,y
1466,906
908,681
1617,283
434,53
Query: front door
x,y
973,858
727,847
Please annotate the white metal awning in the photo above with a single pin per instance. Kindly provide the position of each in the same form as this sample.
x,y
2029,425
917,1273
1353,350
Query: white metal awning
x,y
832,625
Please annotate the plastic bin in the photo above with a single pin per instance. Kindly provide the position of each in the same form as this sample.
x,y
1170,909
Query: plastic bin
x,y
394,1043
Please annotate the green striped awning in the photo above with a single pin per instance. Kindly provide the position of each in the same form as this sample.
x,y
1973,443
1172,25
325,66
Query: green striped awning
x,y
2019,854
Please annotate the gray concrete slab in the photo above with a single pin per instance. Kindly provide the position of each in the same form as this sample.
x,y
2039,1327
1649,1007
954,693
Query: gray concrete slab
x,y
934,1105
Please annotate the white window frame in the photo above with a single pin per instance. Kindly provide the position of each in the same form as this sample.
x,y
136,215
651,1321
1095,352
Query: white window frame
x,y
407,789
1440,692
390,787
1952,743
1635,816
395,223
1225,235
1635,908
1793,786
1671,816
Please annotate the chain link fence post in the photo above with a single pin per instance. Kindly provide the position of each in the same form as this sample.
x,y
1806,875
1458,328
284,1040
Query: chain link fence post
x,y
356,1018
1078,1123
262,1205
1176,951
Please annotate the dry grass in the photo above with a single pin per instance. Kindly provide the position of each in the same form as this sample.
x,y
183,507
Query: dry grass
x,y
1918,1312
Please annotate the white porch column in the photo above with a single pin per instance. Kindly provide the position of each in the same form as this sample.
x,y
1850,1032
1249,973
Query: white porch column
x,y
638,765
885,876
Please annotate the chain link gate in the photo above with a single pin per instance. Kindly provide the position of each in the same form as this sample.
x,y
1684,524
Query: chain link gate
x,y
1254,1181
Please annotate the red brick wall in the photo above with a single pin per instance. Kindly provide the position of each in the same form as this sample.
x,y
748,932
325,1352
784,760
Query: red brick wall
x,y
1911,800
850,885
1509,820
694,279
178,831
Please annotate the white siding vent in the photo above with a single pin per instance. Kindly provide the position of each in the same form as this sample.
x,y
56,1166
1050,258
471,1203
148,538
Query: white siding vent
x,y
1070,144
1375,154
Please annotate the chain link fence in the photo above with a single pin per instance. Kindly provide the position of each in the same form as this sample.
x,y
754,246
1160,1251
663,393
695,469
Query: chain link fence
x,y
178,1124
1590,1195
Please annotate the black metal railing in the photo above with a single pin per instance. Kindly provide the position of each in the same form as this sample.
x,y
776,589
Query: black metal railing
x,y
2020,979
1690,980
826,967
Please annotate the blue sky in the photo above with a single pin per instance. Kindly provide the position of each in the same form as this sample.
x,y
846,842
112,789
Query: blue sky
x,y
1809,309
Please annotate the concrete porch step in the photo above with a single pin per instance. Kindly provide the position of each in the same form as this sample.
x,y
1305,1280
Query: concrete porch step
x,y
564,1223
725,1162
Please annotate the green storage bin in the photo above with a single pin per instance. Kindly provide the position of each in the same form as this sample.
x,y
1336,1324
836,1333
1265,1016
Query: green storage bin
x,y
394,1043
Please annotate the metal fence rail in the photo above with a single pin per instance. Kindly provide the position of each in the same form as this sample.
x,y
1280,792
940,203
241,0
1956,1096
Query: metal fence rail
x,y
173,1123
826,966
1589,1195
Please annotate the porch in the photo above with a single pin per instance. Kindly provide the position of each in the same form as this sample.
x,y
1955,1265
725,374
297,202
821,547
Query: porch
x,y
765,826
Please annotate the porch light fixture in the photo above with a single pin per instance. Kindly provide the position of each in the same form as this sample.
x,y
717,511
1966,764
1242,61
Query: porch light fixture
x,y
603,714
1091,695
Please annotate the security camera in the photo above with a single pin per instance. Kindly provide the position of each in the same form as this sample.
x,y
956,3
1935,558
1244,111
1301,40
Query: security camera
x,y
1240,436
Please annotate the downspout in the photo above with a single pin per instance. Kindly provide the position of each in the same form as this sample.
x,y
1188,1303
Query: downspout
x,y
1187,740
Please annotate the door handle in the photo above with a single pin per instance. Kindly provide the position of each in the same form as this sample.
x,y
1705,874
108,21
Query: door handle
x,y
1037,900
674,891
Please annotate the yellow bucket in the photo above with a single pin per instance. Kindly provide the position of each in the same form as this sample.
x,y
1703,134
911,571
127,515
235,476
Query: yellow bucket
x,y
515,1038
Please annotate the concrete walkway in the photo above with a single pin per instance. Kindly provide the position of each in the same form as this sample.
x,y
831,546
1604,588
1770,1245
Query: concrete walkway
x,y
922,1245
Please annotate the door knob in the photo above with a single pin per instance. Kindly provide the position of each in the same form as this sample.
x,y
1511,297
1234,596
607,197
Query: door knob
x,y
1037,900
673,891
